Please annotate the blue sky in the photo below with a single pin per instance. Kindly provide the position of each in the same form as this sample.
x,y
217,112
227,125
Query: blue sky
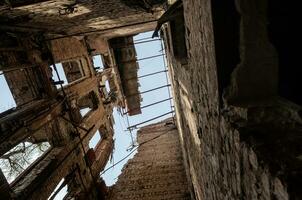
x,y
122,137
6,98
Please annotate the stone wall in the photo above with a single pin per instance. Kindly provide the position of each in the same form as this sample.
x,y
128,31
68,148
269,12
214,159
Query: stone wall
x,y
230,149
156,171
67,17
68,48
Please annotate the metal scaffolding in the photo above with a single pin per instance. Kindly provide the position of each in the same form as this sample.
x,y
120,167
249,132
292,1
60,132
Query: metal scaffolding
x,y
149,120
147,75
152,104
150,57
168,85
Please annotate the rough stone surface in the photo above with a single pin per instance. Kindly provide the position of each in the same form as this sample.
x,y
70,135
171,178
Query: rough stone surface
x,y
219,163
156,172
65,16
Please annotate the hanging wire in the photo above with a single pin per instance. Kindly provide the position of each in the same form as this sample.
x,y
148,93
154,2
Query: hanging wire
x,y
150,57
166,74
132,151
122,119
149,120
131,135
75,127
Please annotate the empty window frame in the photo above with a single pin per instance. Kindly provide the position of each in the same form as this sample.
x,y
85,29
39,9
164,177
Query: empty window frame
x,y
88,103
98,63
107,86
68,72
7,100
14,162
109,96
95,139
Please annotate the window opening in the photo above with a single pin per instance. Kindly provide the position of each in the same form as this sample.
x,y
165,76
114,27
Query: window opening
x,y
61,73
84,111
109,95
68,71
226,22
107,86
14,162
98,63
87,103
95,140
60,191
7,100
73,71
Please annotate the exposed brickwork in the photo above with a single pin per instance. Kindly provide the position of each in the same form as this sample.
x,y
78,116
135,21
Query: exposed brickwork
x,y
156,172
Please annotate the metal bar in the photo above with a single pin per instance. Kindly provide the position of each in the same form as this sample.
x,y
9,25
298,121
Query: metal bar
x,y
152,104
155,89
152,74
167,78
146,38
150,57
146,75
131,135
149,120
148,90
146,41
130,44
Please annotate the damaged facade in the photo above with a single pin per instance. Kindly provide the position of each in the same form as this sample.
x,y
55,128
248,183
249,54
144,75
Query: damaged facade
x,y
65,108
235,82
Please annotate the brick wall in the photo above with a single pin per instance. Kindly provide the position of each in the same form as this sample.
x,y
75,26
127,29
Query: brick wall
x,y
156,171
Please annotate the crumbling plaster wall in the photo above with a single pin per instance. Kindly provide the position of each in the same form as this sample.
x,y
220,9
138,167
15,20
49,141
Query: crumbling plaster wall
x,y
68,17
219,162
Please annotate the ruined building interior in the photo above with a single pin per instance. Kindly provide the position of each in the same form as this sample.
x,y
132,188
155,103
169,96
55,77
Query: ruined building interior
x,y
233,129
